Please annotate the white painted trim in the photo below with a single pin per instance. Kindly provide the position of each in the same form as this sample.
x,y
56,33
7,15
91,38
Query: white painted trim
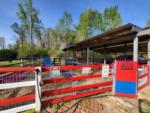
x,y
19,109
144,32
17,84
114,78
38,92
135,49
148,52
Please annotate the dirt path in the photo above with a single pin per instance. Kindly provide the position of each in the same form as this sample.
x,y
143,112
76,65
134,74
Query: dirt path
x,y
111,104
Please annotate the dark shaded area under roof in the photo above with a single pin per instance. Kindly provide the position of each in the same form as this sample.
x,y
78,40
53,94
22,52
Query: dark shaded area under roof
x,y
117,40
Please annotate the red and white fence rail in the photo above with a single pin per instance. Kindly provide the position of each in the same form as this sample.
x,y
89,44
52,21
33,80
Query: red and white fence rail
x,y
143,76
18,87
97,88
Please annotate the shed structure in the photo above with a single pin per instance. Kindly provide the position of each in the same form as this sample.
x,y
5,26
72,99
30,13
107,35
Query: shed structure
x,y
126,38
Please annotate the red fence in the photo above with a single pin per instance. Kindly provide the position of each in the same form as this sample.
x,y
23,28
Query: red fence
x,y
143,76
102,87
59,94
12,81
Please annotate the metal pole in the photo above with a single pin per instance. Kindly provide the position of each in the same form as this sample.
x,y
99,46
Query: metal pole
x,y
87,56
148,61
135,49
104,61
148,52
21,63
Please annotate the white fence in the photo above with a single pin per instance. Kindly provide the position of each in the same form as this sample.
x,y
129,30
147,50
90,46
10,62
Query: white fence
x,y
19,89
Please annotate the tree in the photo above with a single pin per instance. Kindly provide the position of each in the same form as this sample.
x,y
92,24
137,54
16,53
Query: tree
x,y
148,23
65,22
2,43
50,39
19,30
111,18
31,25
90,24
64,31
93,22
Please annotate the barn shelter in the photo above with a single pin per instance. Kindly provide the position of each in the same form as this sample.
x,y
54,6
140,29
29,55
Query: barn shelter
x,y
128,38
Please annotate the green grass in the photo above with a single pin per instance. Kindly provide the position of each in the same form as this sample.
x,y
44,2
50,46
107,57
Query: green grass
x,y
8,64
59,105
14,63
30,111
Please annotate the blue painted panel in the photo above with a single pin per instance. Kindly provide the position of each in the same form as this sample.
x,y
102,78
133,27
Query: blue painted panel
x,y
125,87
47,61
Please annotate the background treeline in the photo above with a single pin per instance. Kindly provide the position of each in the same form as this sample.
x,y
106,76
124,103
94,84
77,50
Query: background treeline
x,y
33,39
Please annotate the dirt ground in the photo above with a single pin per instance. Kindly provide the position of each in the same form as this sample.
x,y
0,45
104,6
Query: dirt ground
x,y
109,104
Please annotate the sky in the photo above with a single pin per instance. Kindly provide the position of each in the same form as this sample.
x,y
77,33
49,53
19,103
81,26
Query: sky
x,y
132,11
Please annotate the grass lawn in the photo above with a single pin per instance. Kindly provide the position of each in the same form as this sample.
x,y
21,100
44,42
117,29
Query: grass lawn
x,y
8,64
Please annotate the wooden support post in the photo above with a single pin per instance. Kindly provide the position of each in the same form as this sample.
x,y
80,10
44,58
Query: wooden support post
x,y
38,90
135,49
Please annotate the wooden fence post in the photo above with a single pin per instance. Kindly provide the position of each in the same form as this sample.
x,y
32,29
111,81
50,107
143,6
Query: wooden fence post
x,y
38,89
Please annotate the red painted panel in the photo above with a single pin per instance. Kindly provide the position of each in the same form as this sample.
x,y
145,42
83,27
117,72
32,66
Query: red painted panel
x,y
77,88
73,67
126,95
76,96
126,71
74,78
17,69
11,101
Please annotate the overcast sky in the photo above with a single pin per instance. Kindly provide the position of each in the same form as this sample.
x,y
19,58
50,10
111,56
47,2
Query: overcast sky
x,y
132,11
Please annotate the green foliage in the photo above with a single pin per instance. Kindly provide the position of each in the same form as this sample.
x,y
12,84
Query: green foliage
x,y
148,23
65,22
31,111
58,106
90,22
29,51
111,18
93,22
31,26
41,52
52,41
6,54
64,30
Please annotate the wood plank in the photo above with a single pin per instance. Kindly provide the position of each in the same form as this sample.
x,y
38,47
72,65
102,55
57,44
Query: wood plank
x,y
77,88
76,96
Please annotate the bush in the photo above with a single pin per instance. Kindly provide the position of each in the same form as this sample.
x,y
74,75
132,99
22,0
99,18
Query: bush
x,y
41,53
7,54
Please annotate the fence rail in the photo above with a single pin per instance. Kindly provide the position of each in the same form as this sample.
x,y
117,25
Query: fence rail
x,y
16,79
16,82
143,76
80,90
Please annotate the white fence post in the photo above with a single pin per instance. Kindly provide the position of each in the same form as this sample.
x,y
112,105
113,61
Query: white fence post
x,y
21,62
114,77
38,89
